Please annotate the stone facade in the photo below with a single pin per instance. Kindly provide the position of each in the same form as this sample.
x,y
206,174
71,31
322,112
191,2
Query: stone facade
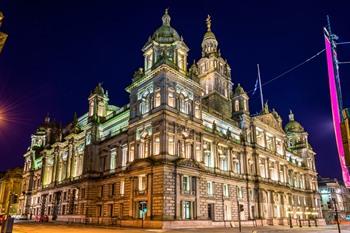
x,y
10,190
184,152
334,193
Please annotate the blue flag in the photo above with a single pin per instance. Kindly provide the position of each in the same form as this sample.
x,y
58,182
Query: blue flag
x,y
256,86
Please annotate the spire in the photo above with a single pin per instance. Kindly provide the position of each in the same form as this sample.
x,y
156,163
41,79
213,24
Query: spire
x,y
166,18
291,115
208,21
209,43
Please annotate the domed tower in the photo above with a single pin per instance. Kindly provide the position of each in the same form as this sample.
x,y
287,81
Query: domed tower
x,y
297,138
98,103
165,46
214,74
240,101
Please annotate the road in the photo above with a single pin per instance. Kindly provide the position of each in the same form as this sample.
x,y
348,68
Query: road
x,y
64,228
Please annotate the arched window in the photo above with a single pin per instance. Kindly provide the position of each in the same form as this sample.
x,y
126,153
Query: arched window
x,y
208,156
197,111
144,105
236,105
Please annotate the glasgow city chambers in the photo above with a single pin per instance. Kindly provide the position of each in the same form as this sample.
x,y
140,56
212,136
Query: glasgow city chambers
x,y
185,151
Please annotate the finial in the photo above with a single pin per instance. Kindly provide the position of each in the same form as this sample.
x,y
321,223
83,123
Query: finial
x,y
208,20
166,18
291,115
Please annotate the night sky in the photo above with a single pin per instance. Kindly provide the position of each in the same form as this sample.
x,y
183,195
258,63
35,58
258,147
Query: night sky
x,y
57,51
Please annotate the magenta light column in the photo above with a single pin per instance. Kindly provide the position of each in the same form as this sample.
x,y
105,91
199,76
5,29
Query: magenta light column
x,y
336,112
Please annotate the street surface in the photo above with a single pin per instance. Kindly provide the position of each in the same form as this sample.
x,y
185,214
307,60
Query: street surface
x,y
68,228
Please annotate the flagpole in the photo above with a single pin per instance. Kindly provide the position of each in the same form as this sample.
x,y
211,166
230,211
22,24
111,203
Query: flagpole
x,y
261,94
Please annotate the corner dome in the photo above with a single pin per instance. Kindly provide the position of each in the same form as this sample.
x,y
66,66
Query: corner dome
x,y
166,33
239,90
293,126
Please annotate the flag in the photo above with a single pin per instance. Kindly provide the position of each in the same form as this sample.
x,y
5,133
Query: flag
x,y
256,86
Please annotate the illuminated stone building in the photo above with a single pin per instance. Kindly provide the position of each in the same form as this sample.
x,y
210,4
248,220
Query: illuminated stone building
x,y
3,36
10,185
331,189
184,152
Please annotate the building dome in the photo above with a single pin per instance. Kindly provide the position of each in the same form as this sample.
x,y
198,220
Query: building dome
x,y
239,90
166,33
293,126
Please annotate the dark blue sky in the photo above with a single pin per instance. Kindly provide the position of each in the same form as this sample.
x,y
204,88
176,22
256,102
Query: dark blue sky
x,y
57,51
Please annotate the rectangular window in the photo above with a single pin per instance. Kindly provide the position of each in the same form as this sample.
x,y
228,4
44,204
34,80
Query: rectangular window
x,y
186,210
269,142
171,98
157,98
225,190
171,144
112,189
101,191
113,159
124,155
131,152
210,188
208,157
197,111
198,151
156,145
99,210
121,188
186,184
239,192
110,210
260,138
142,182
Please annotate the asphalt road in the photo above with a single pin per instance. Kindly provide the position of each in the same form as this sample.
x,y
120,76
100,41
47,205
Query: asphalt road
x,y
64,228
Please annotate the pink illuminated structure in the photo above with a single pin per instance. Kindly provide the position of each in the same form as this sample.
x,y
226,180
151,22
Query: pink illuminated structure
x,y
335,94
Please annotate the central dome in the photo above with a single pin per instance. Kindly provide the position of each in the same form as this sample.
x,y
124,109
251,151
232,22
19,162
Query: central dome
x,y
166,33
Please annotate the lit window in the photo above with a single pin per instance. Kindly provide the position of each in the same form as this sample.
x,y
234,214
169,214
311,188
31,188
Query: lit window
x,y
186,210
269,142
171,98
131,153
142,183
236,105
260,137
198,151
144,105
186,183
236,166
113,159
122,183
239,192
223,159
181,61
185,105
197,111
279,146
225,190
210,188
208,157
156,145
124,155
171,144
157,99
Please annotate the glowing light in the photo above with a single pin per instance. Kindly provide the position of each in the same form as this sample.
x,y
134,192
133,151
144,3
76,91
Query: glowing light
x,y
336,112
